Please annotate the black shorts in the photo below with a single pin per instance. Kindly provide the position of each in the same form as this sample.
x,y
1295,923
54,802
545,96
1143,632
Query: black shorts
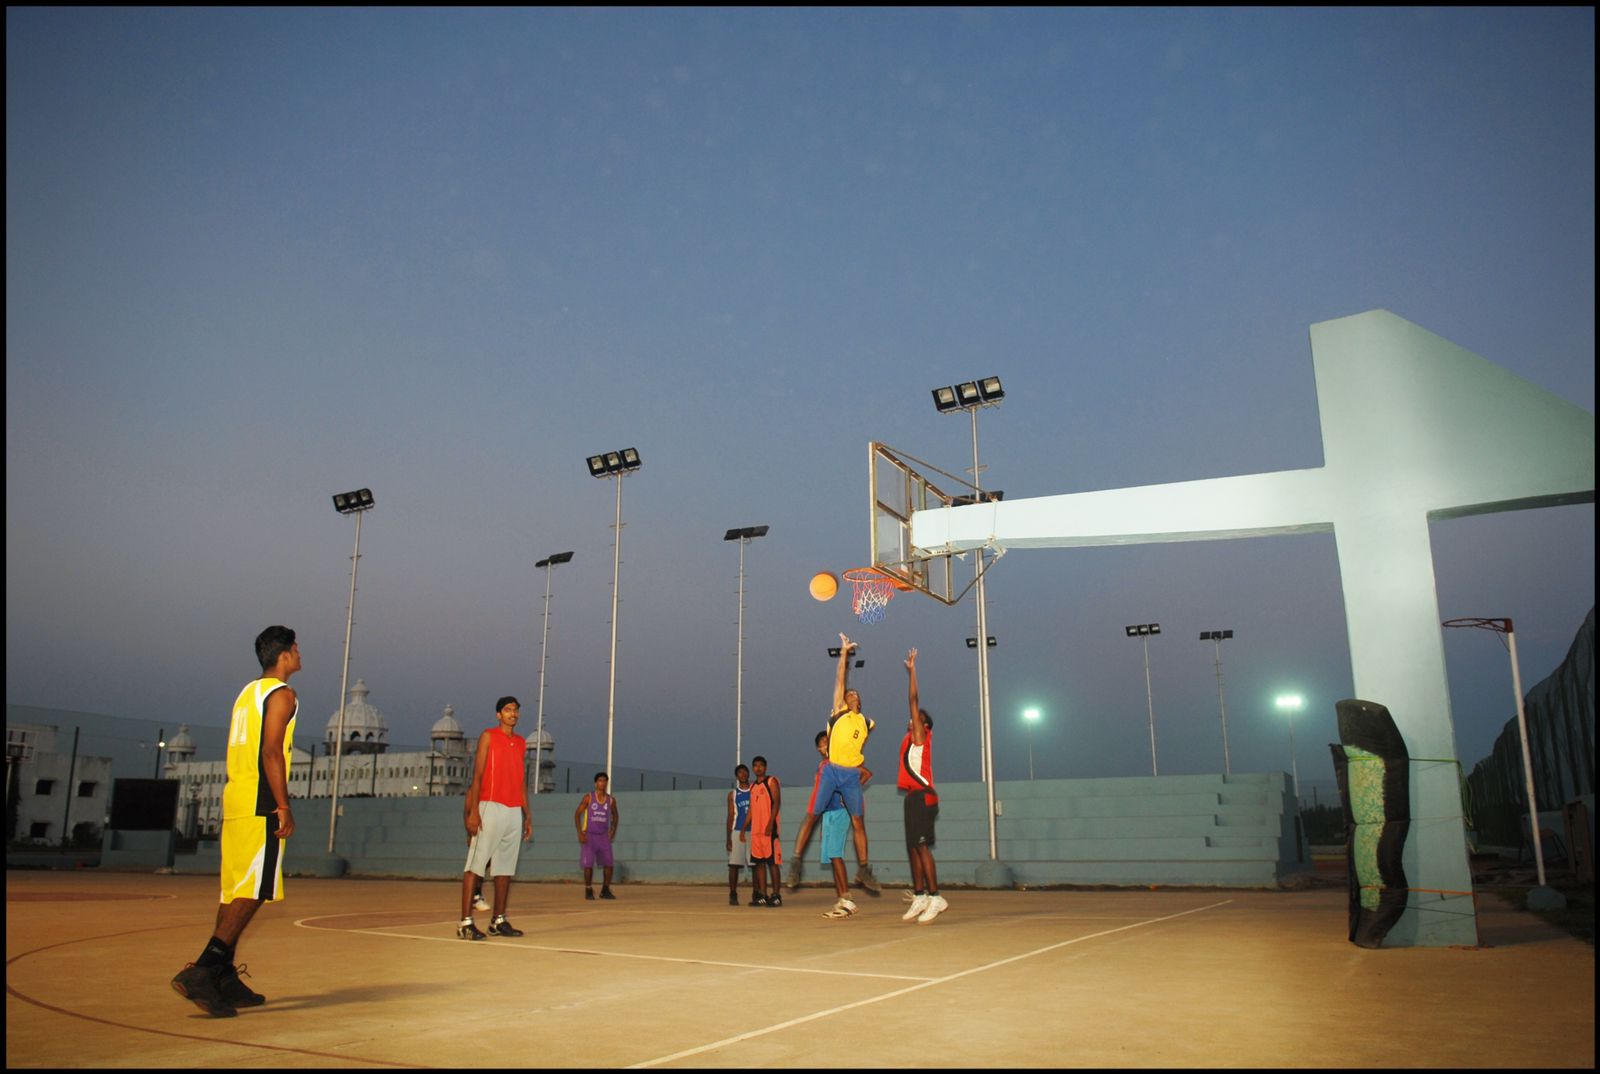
x,y
919,819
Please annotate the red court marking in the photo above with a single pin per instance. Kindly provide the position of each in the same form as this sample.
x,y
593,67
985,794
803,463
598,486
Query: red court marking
x,y
73,896
11,991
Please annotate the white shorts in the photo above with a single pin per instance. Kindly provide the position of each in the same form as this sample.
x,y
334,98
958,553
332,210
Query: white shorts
x,y
740,854
498,840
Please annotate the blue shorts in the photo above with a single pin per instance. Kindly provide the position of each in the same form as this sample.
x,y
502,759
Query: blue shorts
x,y
835,833
845,782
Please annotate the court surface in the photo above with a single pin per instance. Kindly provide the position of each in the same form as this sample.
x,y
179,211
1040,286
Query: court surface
x,y
368,973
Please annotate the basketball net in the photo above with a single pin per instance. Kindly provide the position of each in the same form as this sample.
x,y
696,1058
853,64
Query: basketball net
x,y
871,592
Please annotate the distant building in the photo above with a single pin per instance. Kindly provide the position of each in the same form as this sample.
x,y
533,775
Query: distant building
x,y
367,767
50,789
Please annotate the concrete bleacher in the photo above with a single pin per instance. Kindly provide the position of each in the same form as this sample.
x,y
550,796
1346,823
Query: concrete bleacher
x,y
1205,830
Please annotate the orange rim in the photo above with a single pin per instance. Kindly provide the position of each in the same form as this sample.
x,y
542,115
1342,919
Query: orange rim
x,y
875,574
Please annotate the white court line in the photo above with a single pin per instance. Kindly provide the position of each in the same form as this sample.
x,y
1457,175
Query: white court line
x,y
913,988
302,923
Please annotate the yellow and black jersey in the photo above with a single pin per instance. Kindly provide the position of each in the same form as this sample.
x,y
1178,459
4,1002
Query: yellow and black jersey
x,y
247,793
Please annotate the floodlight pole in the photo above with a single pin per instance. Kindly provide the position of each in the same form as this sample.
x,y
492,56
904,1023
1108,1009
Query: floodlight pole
x,y
616,573
1222,705
983,661
544,640
1150,703
344,680
738,680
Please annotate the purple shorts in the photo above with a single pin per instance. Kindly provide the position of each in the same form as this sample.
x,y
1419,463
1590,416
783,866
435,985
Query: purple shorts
x,y
596,850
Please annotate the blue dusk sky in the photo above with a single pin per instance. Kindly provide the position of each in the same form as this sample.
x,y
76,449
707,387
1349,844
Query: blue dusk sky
x,y
258,257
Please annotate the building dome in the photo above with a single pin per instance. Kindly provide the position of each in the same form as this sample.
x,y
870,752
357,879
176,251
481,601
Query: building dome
x,y
447,727
180,747
364,728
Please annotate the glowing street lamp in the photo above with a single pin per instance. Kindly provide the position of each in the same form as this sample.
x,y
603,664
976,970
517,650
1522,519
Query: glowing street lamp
x,y
1032,716
1289,704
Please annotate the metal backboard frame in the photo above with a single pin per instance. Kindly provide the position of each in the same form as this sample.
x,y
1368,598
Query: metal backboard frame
x,y
896,491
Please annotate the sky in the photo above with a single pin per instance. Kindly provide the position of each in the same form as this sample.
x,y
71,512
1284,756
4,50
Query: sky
x,y
259,257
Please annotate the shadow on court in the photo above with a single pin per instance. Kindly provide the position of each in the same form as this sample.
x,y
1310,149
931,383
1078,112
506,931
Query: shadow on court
x,y
369,973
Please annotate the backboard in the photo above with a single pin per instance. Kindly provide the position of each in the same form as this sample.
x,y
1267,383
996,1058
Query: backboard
x,y
897,489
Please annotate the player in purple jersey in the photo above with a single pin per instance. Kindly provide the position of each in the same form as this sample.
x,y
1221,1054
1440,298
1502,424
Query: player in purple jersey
x,y
597,818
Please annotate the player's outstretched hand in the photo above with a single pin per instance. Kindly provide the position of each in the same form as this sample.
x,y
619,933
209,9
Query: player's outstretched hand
x,y
911,660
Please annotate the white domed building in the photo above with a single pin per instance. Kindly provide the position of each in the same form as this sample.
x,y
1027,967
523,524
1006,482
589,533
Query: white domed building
x,y
367,767
364,728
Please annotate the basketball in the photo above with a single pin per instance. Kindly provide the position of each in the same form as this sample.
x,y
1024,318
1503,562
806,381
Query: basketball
x,y
824,585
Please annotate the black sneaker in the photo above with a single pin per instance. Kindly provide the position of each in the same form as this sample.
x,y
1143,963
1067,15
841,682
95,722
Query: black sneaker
x,y
605,893
733,898
468,930
199,985
502,927
758,900
235,993
588,893
774,900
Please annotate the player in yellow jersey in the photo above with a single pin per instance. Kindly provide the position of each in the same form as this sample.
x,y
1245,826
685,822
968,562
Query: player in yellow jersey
x,y
255,822
841,777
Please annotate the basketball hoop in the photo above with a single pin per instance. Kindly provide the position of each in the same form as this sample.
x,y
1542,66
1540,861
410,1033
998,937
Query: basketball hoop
x,y
872,590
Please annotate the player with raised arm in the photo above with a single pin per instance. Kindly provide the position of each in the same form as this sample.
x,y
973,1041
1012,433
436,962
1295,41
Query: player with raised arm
x,y
921,804
847,739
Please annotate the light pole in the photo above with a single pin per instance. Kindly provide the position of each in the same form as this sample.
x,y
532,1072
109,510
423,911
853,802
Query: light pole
x,y
1220,636
1142,631
744,536
161,744
355,503
1290,704
617,465
544,638
972,396
1546,897
1032,716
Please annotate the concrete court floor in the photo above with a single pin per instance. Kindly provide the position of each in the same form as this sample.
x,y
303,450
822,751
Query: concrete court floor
x,y
368,973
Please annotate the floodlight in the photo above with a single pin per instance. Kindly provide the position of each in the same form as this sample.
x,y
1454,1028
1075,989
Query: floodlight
x,y
989,388
348,503
968,393
945,399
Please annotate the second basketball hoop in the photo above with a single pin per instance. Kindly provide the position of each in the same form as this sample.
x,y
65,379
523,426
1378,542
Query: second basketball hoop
x,y
872,590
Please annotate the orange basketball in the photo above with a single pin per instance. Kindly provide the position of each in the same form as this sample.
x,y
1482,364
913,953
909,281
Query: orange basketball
x,y
824,585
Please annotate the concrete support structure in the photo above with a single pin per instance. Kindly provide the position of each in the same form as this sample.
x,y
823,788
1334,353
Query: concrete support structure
x,y
1414,428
